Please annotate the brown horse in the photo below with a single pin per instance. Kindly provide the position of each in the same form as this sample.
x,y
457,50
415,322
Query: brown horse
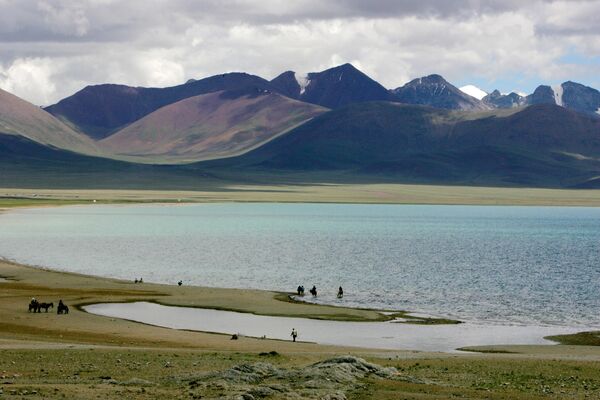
x,y
45,306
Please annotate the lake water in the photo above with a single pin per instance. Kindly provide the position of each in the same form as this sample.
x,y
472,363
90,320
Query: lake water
x,y
505,265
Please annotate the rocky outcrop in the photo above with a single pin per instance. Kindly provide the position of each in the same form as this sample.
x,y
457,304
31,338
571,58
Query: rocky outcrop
x,y
330,379
499,100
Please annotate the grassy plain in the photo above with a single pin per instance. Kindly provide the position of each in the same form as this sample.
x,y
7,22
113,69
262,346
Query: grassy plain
x,y
381,193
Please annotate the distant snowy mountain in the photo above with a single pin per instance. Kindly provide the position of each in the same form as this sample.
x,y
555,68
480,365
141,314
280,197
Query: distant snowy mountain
x,y
435,91
473,91
569,94
332,88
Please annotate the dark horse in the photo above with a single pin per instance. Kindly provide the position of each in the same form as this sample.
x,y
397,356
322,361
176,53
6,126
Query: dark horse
x,y
33,306
45,306
62,308
313,291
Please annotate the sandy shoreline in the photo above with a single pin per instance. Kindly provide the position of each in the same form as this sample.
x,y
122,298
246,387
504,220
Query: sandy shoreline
x,y
103,290
23,282
84,356
93,289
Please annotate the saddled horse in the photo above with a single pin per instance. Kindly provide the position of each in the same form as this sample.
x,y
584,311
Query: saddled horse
x,y
44,306
62,308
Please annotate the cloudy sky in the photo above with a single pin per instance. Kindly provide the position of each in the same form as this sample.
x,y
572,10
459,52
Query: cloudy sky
x,y
50,49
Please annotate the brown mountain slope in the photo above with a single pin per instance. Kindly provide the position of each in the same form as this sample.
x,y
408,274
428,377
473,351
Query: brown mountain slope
x,y
214,125
20,118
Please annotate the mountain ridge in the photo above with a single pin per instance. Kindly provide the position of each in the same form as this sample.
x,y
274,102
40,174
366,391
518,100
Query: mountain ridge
x,y
21,118
433,90
419,143
212,125
332,88
101,110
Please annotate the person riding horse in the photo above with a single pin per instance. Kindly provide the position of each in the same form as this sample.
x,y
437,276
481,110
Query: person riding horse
x,y
313,291
33,305
62,308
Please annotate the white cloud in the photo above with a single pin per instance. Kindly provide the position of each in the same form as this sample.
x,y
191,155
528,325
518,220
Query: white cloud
x,y
31,79
72,44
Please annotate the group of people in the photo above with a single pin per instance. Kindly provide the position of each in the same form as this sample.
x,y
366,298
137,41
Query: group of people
x,y
138,280
313,291
300,290
37,306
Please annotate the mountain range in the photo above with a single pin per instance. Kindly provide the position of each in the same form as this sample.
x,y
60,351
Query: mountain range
x,y
337,124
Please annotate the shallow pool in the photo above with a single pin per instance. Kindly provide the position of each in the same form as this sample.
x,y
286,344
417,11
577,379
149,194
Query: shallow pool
x,y
384,335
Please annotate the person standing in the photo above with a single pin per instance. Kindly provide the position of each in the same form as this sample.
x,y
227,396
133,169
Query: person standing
x,y
294,334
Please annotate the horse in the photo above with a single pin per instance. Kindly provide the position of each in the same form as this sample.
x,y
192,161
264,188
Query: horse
x,y
62,308
33,306
313,291
45,306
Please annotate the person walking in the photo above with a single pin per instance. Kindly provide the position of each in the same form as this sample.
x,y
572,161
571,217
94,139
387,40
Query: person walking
x,y
294,334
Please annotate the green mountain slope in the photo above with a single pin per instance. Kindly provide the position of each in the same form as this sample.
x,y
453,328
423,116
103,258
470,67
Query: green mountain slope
x,y
542,145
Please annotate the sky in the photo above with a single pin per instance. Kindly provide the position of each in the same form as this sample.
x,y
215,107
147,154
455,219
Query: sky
x,y
50,49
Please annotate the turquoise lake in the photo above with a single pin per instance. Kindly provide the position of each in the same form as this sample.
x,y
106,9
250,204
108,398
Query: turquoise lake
x,y
505,265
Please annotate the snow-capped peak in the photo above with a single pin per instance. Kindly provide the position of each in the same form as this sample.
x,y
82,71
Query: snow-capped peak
x,y
558,93
302,80
473,91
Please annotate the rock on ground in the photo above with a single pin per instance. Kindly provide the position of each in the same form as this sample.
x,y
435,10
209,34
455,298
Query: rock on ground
x,y
326,380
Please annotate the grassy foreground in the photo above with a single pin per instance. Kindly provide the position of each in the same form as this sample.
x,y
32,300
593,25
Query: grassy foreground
x,y
91,373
